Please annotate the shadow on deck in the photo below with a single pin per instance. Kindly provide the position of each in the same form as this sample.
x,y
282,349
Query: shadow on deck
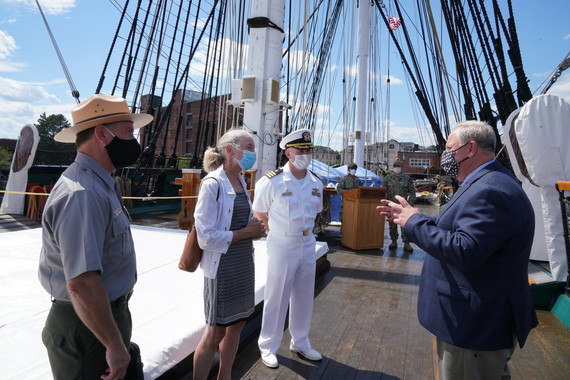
x,y
9,222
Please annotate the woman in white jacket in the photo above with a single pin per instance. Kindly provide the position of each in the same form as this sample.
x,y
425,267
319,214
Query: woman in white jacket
x,y
226,230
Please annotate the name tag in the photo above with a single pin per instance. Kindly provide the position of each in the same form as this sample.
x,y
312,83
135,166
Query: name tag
x,y
117,211
287,193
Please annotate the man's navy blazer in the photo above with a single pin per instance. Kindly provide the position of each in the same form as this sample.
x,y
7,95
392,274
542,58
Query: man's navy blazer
x,y
474,291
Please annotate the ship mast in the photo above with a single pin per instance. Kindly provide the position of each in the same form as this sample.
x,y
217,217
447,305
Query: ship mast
x,y
362,80
261,110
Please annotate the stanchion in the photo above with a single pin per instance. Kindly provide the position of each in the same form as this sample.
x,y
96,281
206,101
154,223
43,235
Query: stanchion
x,y
190,183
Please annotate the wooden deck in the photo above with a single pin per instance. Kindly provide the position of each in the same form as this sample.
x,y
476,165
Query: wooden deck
x,y
365,325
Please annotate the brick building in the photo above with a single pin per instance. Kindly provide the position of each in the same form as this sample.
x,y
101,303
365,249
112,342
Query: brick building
x,y
381,156
193,124
420,162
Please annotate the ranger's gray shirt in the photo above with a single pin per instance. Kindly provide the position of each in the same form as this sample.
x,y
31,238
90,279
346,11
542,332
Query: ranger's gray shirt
x,y
86,229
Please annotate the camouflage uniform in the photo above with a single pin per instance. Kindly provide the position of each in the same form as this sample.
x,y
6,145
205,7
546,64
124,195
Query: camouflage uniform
x,y
348,182
403,186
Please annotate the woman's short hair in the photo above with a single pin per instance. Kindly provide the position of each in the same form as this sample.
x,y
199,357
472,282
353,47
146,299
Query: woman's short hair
x,y
216,156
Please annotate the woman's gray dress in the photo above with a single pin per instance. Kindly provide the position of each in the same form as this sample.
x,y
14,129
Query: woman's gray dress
x,y
230,298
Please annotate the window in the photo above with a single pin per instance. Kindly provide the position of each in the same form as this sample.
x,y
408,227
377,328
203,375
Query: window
x,y
419,162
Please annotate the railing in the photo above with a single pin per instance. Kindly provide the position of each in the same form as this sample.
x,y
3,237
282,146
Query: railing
x,y
562,187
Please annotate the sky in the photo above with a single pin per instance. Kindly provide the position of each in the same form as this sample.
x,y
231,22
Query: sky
x,y
32,80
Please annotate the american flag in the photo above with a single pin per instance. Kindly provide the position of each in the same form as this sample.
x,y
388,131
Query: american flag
x,y
394,22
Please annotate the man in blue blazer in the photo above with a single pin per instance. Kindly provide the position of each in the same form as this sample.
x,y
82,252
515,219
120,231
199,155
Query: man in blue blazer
x,y
474,294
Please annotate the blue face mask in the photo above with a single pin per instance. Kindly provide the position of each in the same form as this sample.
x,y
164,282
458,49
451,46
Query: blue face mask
x,y
247,160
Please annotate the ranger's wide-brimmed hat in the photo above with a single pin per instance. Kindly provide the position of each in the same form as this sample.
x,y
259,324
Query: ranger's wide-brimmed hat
x,y
300,139
100,109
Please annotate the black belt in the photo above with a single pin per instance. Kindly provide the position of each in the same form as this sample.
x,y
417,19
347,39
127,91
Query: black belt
x,y
122,300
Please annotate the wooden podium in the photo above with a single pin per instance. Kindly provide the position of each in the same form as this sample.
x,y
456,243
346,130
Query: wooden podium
x,y
362,224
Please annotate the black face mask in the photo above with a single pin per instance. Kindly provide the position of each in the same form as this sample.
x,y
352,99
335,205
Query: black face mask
x,y
123,152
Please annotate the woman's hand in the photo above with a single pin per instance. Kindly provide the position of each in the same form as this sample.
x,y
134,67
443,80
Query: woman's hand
x,y
255,229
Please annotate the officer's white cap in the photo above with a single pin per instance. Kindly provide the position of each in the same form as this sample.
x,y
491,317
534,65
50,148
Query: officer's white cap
x,y
300,139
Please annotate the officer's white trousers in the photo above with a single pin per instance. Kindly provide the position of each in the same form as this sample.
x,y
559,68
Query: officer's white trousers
x,y
290,282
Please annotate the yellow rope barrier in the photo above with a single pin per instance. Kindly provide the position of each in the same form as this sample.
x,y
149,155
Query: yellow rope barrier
x,y
147,198
46,194
21,192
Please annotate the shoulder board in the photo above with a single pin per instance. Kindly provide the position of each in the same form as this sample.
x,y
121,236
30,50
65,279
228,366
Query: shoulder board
x,y
315,174
274,173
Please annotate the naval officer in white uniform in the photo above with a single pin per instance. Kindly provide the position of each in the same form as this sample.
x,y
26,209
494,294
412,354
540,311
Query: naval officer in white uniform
x,y
287,200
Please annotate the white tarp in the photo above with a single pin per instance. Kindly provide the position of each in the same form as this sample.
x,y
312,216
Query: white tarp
x,y
367,177
13,203
167,304
537,138
326,173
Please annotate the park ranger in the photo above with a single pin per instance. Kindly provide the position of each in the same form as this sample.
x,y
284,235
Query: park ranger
x,y
287,200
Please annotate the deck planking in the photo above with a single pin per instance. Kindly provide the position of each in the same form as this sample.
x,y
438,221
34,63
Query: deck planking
x,y
365,325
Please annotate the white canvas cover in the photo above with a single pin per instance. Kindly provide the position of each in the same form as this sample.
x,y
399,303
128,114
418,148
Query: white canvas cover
x,y
536,137
167,304
13,203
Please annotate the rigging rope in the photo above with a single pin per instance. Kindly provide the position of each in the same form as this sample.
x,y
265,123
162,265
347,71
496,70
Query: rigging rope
x,y
74,92
419,90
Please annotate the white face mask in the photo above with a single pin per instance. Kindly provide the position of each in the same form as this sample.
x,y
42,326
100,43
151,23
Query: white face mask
x,y
397,170
352,171
302,161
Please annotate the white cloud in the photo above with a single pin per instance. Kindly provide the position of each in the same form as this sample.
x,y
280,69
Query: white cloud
x,y
10,129
23,102
567,37
11,67
325,137
52,7
562,87
13,90
393,80
7,45
352,70
14,115
299,60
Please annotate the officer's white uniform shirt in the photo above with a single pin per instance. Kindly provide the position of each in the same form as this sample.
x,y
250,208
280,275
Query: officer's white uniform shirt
x,y
291,204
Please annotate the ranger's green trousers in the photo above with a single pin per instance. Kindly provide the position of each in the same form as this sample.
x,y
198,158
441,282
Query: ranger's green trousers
x,y
73,351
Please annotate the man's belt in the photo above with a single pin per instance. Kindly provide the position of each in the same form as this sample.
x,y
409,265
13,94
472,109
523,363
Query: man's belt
x,y
305,232
118,302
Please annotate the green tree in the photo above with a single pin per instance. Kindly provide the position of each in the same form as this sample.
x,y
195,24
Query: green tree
x,y
48,127
5,159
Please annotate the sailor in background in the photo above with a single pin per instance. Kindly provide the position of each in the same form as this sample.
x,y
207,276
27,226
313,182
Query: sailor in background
x,y
400,184
348,182
287,200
